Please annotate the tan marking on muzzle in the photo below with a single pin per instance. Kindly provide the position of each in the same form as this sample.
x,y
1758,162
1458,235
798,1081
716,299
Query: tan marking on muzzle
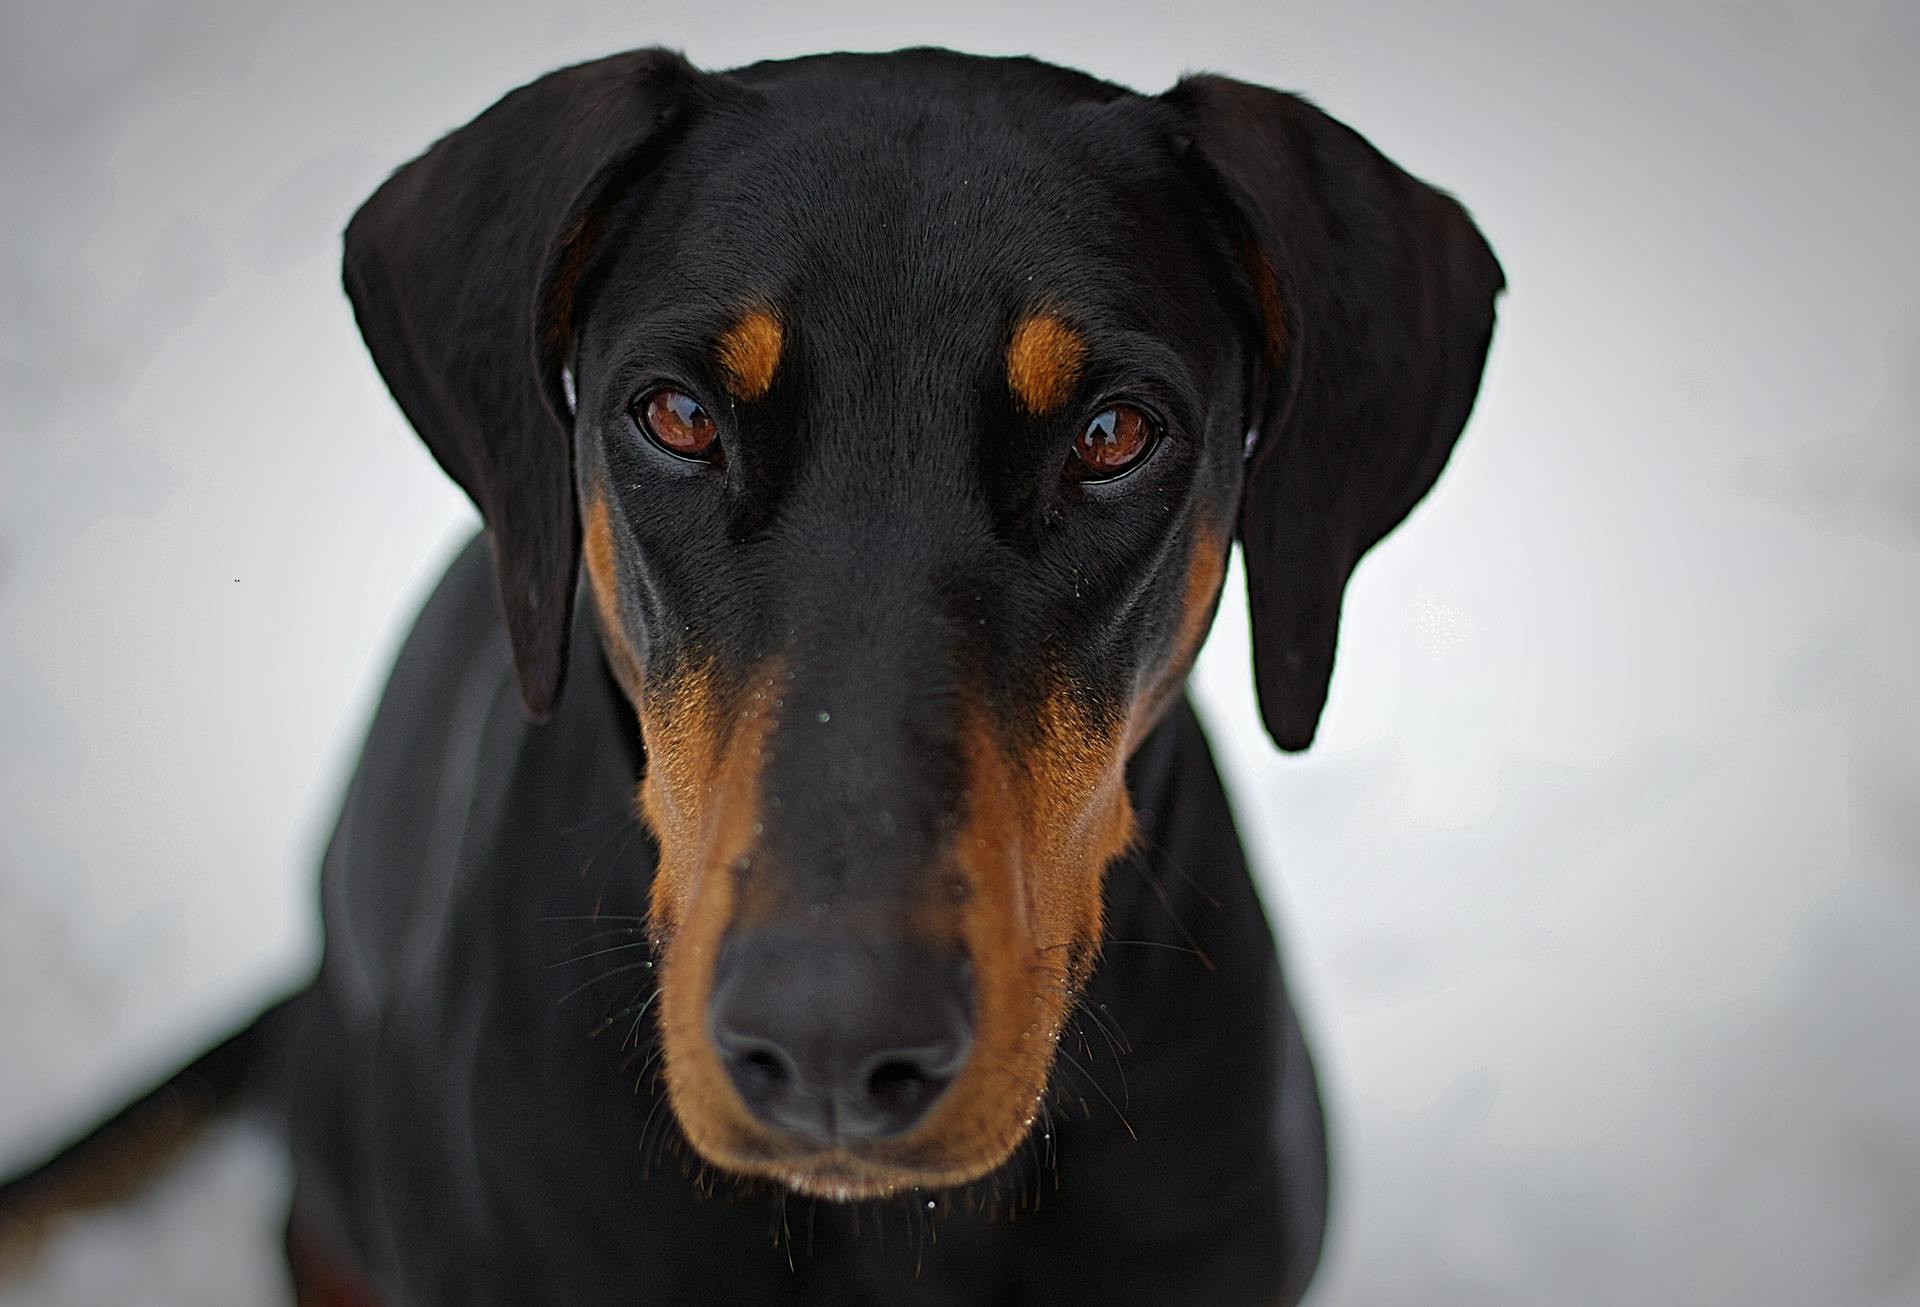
x,y
702,799
1042,822
1042,825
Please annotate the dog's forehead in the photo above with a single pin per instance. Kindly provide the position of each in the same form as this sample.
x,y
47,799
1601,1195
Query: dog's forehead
x,y
882,199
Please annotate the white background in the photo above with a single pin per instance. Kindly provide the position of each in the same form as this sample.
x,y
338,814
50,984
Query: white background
x,y
1602,886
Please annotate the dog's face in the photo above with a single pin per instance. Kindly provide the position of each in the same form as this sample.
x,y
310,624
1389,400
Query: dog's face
x,y
907,478
900,408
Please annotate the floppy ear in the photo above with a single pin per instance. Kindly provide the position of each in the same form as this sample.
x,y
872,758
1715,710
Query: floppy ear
x,y
1376,295
462,270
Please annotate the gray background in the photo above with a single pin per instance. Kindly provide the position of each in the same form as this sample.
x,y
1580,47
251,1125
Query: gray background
x,y
1602,886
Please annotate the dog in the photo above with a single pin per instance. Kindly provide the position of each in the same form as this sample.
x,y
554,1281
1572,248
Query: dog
x,y
817,888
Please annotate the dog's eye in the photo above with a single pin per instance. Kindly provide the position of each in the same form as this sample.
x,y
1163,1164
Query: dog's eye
x,y
673,420
1116,441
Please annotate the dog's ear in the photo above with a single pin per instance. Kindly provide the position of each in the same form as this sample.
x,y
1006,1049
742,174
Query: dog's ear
x,y
1375,295
462,269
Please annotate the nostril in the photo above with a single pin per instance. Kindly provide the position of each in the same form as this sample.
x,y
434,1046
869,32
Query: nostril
x,y
896,1090
832,1039
762,1069
901,1086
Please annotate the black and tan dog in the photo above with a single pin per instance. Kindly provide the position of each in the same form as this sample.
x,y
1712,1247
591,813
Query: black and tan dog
x,y
900,412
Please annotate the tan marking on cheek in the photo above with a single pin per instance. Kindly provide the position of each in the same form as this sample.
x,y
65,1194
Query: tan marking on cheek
x,y
603,580
749,352
1206,569
1043,362
680,724
1082,815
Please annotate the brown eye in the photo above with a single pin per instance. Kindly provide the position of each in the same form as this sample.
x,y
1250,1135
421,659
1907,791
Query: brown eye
x,y
1118,438
673,421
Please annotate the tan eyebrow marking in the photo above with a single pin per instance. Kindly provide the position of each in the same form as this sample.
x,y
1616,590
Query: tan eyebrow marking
x,y
1043,362
749,351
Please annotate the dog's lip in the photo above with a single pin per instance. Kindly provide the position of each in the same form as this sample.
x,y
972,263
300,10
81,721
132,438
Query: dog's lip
x,y
842,1170
817,1155
838,1180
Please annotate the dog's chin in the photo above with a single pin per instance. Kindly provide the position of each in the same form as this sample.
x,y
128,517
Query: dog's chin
x,y
840,1182
845,1175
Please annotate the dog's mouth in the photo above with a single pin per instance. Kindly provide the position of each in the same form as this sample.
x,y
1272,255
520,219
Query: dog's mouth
x,y
839,1180
846,1174
853,1050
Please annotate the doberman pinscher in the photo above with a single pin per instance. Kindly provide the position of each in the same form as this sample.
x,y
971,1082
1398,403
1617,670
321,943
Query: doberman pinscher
x,y
865,923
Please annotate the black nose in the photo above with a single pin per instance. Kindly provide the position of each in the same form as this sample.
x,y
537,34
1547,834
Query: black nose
x,y
835,1038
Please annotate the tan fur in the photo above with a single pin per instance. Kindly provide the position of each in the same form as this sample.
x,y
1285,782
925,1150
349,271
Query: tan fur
x,y
1042,824
1043,362
749,352
603,580
702,798
1206,570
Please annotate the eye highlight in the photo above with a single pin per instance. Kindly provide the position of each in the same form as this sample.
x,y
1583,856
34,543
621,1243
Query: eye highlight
x,y
674,420
1115,440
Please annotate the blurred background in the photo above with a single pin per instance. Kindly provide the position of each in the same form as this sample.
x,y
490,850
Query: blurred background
x,y
1601,889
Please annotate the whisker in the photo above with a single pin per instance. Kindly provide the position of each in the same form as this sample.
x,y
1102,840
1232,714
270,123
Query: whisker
x,y
1159,943
1121,1044
652,1056
624,832
1166,903
1074,1062
1119,1068
624,810
1175,864
609,933
1052,1138
592,937
601,952
591,981
624,1010
633,1032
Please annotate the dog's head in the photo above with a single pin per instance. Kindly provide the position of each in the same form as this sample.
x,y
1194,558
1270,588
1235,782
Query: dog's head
x,y
903,410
